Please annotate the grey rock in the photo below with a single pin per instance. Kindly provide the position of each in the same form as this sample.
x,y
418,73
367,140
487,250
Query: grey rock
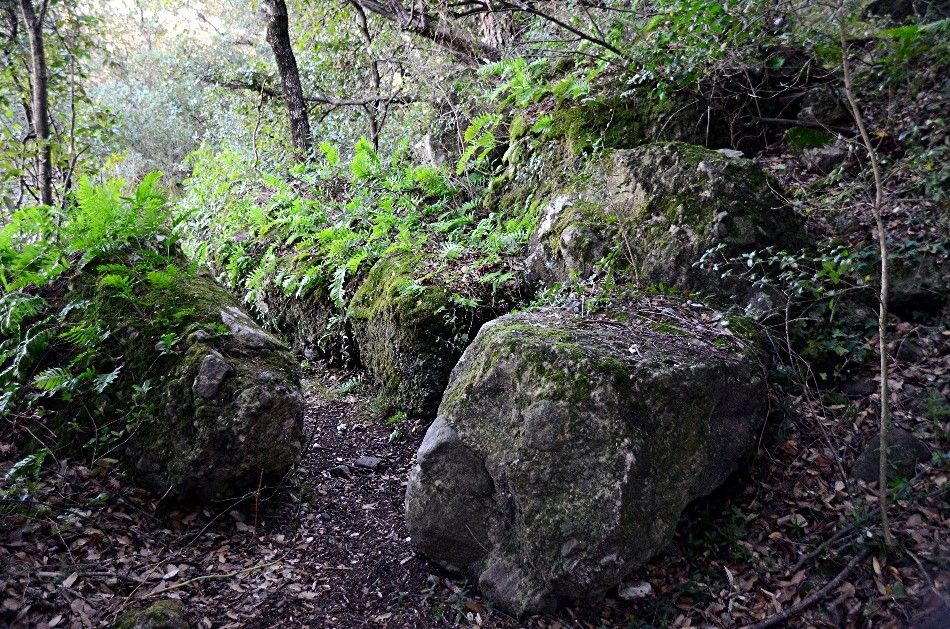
x,y
406,340
340,471
826,159
198,336
858,387
660,208
561,460
904,453
910,351
229,423
368,462
211,375
634,591
246,329
919,283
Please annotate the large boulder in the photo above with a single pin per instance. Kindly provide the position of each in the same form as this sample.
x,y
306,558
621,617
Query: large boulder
x,y
227,412
406,332
566,447
656,211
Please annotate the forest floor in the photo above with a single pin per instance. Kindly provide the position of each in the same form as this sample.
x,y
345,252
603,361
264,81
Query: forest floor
x,y
330,548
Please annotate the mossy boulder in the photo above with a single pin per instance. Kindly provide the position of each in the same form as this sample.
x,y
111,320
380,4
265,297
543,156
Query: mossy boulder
x,y
904,453
620,123
566,447
227,412
311,322
169,614
656,210
405,332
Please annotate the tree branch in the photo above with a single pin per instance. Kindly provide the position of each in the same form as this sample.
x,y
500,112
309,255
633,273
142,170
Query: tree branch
x,y
261,87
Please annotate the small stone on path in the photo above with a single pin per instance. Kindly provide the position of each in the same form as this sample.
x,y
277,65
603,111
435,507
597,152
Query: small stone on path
x,y
369,462
340,471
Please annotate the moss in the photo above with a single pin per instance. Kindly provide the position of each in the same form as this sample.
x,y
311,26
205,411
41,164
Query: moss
x,y
160,615
404,332
802,138
667,328
384,291
621,123
518,128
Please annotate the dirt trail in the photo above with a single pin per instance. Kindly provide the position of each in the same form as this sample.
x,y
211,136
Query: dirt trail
x,y
329,548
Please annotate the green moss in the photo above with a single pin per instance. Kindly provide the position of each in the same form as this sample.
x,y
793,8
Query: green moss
x,y
667,328
386,291
160,615
802,138
613,123
518,128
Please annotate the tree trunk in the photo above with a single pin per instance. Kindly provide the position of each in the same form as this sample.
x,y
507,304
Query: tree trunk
x,y
375,81
278,36
44,159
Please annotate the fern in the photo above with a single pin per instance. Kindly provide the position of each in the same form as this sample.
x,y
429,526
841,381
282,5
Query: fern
x,y
54,380
479,140
337,286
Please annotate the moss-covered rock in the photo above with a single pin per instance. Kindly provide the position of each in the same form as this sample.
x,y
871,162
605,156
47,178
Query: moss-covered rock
x,y
405,332
169,614
656,210
312,324
220,408
620,123
566,448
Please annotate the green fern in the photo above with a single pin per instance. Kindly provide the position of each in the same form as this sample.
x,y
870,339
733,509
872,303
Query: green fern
x,y
480,140
54,380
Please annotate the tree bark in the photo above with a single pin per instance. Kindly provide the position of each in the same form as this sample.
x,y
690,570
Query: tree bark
x,y
415,20
278,36
38,70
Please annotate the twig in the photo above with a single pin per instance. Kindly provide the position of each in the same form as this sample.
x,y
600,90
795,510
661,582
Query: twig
x,y
209,577
815,596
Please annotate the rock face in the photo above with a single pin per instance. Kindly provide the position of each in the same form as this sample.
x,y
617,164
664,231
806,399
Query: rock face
x,y
229,415
657,209
566,448
405,335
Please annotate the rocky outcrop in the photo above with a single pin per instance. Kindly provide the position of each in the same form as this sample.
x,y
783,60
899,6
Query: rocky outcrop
x,y
228,412
919,281
566,447
656,210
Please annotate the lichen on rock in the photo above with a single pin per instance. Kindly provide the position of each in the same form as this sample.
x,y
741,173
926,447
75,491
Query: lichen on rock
x,y
566,448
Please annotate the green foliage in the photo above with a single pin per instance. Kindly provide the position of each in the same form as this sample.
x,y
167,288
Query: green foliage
x,y
802,138
828,294
265,237
73,281
480,141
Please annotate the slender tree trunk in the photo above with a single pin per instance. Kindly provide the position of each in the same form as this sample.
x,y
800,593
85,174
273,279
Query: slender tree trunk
x,y
44,160
883,297
278,36
372,109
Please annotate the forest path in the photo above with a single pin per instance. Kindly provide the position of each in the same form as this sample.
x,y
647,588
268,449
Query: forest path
x,y
332,547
